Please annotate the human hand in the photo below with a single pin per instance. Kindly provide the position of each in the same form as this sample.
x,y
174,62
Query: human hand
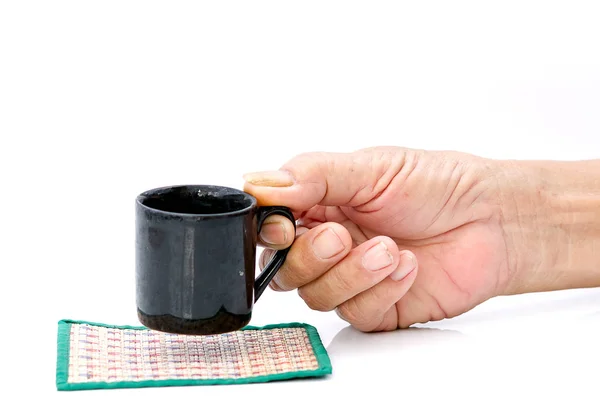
x,y
389,237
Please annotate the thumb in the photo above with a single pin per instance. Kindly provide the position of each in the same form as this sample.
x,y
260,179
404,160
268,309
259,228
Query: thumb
x,y
329,179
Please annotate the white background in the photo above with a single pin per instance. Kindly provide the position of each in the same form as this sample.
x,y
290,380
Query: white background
x,y
102,100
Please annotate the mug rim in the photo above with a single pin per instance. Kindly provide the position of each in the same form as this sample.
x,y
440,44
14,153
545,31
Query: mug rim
x,y
244,210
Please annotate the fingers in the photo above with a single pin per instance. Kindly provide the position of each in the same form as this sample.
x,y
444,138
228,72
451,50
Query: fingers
x,y
371,310
331,179
314,252
362,269
361,284
277,232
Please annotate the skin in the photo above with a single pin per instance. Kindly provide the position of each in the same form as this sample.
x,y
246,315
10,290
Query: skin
x,y
449,231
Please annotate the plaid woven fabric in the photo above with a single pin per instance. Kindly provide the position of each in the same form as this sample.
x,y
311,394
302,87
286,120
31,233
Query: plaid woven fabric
x,y
92,355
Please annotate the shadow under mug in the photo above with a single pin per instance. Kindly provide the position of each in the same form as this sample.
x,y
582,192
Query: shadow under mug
x,y
196,258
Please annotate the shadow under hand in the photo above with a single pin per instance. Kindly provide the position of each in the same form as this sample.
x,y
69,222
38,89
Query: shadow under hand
x,y
350,341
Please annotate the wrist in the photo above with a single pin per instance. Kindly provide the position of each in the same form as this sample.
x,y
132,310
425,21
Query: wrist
x,y
550,214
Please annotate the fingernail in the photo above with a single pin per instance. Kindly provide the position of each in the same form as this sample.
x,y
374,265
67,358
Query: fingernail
x,y
378,257
265,257
273,285
327,244
301,230
407,264
273,233
270,178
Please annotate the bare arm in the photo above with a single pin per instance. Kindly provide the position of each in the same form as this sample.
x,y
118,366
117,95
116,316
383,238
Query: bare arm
x,y
552,220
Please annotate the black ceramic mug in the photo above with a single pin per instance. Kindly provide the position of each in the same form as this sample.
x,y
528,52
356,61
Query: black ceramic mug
x,y
196,258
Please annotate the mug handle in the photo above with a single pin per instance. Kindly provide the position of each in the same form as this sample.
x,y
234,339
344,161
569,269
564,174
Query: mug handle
x,y
261,282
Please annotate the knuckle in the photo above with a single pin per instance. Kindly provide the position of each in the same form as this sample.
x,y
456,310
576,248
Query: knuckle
x,y
306,163
301,160
314,301
292,274
342,282
295,272
351,312
282,279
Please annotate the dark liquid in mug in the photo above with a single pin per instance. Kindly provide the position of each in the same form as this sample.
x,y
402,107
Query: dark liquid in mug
x,y
191,201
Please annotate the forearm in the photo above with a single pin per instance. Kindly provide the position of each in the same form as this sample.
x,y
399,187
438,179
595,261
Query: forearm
x,y
551,217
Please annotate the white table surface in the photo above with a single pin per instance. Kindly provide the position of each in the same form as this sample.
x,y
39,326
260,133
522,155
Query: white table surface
x,y
100,101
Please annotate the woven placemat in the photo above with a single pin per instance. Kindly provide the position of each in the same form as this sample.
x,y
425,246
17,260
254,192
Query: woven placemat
x,y
96,356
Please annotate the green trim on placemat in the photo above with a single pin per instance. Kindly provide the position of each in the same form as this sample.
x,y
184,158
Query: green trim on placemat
x,y
63,357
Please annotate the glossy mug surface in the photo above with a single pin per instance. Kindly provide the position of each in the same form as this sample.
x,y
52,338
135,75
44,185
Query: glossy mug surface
x,y
196,256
